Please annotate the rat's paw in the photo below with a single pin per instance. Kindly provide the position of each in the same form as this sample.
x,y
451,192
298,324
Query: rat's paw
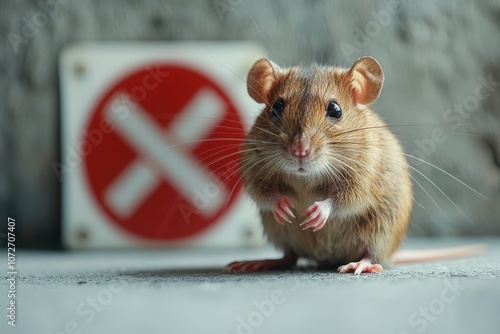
x,y
363,266
258,265
281,210
317,215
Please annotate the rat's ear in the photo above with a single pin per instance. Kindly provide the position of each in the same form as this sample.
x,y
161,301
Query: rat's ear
x,y
261,78
366,78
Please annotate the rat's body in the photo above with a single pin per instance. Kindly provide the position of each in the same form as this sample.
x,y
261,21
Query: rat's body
x,y
330,179
369,213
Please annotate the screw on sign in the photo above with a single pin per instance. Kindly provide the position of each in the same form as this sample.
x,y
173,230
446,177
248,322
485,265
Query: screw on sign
x,y
168,169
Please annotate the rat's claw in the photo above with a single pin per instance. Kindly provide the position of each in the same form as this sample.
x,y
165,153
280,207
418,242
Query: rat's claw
x,y
316,223
280,216
311,215
288,211
281,210
317,215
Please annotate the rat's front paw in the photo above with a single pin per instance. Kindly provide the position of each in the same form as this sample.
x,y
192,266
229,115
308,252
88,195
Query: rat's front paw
x,y
281,210
317,214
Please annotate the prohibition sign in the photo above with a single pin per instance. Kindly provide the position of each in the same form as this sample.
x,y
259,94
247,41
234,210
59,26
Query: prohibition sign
x,y
164,161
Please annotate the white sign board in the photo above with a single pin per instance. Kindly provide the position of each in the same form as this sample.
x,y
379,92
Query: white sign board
x,y
151,135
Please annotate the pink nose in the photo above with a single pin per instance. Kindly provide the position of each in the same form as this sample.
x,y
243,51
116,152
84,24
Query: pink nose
x,y
300,149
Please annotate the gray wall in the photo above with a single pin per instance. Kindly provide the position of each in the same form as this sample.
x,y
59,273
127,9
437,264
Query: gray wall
x,y
434,56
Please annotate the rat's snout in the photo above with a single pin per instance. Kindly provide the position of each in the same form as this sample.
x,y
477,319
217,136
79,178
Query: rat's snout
x,y
300,148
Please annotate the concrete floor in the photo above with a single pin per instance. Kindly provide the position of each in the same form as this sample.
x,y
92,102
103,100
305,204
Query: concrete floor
x,y
184,291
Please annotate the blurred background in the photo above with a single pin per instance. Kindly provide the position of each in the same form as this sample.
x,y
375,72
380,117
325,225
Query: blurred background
x,y
441,92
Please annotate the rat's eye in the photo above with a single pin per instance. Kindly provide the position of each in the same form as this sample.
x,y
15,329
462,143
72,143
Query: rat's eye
x,y
277,108
333,110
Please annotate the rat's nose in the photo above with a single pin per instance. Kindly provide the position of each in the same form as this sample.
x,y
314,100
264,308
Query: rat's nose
x,y
300,149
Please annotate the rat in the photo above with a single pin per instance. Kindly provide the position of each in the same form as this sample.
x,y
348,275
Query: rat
x,y
330,179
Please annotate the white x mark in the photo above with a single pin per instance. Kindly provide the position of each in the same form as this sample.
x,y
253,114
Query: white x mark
x,y
159,155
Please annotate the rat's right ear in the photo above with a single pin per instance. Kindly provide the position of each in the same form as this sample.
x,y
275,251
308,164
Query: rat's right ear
x,y
261,78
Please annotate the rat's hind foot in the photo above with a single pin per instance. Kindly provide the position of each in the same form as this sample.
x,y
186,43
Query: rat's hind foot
x,y
363,266
286,262
281,210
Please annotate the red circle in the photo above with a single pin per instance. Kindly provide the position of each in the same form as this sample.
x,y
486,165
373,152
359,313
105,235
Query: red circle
x,y
161,92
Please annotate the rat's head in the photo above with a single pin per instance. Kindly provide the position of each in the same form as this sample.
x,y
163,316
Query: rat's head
x,y
310,114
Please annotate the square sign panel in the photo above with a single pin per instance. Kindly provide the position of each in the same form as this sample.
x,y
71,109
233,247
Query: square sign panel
x,y
151,135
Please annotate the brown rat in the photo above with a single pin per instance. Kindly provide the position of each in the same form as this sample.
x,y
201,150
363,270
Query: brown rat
x,y
330,179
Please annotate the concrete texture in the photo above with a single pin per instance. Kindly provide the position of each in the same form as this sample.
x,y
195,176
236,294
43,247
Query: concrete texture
x,y
184,291
436,56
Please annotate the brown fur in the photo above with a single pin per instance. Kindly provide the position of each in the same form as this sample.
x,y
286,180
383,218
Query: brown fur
x,y
371,187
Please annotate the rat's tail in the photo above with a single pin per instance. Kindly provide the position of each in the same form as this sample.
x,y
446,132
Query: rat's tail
x,y
412,256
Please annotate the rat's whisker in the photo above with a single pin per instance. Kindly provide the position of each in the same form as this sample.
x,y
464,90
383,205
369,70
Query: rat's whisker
x,y
245,172
225,157
229,118
261,142
367,166
262,36
273,169
406,165
415,200
395,126
234,73
335,173
433,166
219,149
239,77
337,170
197,141
238,182
441,191
432,199
446,173
227,147
416,181
338,158
204,156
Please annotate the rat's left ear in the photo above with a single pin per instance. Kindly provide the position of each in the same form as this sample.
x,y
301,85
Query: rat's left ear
x,y
365,79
